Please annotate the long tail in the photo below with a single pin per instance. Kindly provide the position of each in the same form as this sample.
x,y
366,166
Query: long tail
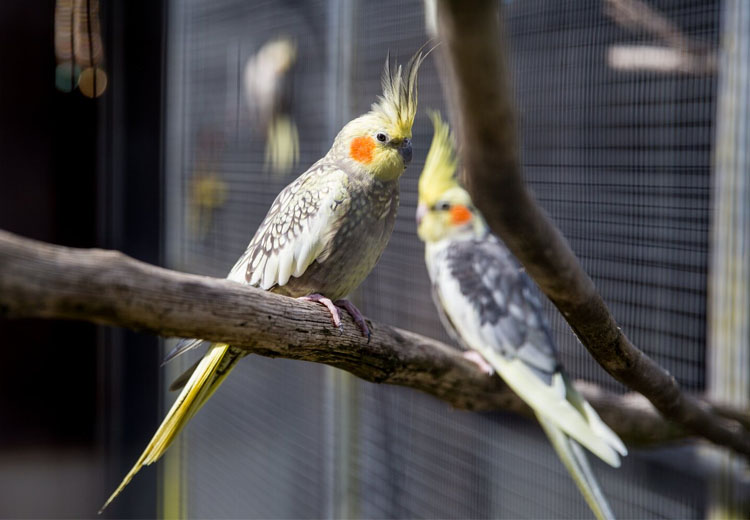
x,y
570,423
574,458
205,379
561,404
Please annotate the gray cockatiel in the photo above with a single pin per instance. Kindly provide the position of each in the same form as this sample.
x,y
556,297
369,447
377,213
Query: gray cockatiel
x,y
322,236
490,307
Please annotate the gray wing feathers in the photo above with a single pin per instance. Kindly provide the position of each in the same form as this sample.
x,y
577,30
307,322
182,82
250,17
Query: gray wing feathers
x,y
490,303
490,278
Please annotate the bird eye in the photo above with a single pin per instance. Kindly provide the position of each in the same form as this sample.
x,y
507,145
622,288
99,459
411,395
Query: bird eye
x,y
443,206
381,137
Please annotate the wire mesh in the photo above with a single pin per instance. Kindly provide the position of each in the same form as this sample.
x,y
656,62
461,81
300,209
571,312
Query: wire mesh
x,y
620,159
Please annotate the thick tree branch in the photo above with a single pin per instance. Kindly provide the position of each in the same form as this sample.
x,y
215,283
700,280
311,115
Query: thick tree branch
x,y
40,280
473,46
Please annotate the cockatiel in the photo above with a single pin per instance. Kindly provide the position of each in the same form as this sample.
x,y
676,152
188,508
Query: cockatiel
x,y
490,307
322,236
268,92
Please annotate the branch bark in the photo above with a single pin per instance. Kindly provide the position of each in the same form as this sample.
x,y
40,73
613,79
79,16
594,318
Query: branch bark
x,y
39,280
473,47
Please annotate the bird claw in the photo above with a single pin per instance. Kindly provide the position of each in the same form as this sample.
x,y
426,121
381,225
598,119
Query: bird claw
x,y
319,298
477,358
348,306
357,316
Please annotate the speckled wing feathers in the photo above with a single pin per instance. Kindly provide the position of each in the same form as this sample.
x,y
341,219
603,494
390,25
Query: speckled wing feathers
x,y
297,230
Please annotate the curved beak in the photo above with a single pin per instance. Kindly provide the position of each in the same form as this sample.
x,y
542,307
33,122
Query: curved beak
x,y
421,212
405,151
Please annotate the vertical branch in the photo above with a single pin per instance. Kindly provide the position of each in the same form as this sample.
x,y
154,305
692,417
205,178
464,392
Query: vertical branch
x,y
473,42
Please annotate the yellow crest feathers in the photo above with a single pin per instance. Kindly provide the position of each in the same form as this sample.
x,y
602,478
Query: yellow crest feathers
x,y
398,104
439,171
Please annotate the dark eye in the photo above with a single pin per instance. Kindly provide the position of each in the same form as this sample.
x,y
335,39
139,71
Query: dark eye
x,y
381,137
443,206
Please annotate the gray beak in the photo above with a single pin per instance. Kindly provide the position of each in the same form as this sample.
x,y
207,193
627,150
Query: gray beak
x,y
405,151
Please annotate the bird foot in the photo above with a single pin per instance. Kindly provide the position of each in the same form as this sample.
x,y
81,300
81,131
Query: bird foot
x,y
477,358
357,316
332,307
319,298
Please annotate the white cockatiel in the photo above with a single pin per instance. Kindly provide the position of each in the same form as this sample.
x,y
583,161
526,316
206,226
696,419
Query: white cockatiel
x,y
490,307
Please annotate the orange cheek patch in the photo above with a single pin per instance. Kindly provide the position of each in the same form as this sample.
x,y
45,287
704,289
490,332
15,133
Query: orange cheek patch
x,y
361,149
460,214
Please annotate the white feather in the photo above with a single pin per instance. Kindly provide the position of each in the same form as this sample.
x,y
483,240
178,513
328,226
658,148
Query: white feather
x,y
305,254
237,274
604,431
255,277
270,271
286,259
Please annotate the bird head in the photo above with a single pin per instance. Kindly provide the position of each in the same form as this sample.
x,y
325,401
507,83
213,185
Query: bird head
x,y
445,209
379,142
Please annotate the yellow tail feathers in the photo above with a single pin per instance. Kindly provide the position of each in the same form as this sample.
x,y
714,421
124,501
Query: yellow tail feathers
x,y
574,459
208,375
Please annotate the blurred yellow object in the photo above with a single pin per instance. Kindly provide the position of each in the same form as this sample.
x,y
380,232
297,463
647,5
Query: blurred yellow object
x,y
282,144
207,193
92,82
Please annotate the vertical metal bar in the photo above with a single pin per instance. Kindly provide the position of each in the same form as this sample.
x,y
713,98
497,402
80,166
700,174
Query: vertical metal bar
x,y
340,388
171,501
729,276
174,138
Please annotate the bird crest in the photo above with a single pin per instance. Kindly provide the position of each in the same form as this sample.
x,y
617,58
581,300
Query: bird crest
x,y
398,104
439,173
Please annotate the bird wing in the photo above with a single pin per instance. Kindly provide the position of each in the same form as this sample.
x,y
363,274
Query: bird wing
x,y
490,302
298,229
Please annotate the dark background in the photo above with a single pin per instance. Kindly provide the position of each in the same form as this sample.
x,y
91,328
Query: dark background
x,y
74,409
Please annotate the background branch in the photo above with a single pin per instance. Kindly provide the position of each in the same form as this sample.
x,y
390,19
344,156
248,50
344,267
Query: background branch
x,y
679,53
39,280
473,47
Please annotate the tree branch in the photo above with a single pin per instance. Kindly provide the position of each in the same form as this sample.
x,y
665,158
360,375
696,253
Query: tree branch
x,y
681,53
473,45
39,280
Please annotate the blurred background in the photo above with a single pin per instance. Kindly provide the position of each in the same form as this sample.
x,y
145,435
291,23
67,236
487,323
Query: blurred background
x,y
165,129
